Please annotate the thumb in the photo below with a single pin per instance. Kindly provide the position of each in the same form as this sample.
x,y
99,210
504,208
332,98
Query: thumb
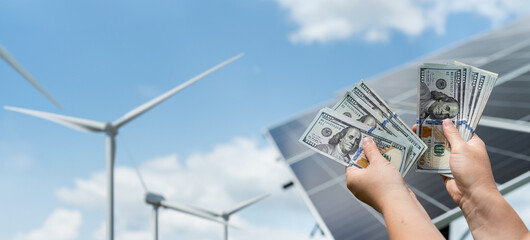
x,y
452,134
371,151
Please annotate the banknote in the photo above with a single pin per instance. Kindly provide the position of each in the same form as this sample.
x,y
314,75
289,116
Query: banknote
x,y
365,95
478,92
483,94
476,97
350,107
466,105
339,138
438,99
466,74
457,91
492,79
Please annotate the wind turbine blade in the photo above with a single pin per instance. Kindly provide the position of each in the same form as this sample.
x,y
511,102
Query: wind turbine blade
x,y
75,123
147,106
245,204
191,211
211,213
15,65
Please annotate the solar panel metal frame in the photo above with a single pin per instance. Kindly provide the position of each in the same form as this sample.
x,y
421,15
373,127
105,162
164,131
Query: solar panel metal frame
x,y
507,48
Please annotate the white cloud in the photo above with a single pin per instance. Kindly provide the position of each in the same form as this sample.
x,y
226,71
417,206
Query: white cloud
x,y
376,20
230,173
62,224
88,193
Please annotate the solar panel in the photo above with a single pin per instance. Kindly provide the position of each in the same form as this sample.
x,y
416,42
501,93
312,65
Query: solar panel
x,y
322,181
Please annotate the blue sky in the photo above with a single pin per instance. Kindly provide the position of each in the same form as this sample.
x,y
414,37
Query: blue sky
x,y
101,59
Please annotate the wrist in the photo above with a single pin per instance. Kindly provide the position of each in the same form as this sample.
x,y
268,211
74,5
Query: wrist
x,y
479,198
489,216
392,197
476,207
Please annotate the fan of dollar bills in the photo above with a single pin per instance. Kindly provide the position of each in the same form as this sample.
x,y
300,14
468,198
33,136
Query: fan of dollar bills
x,y
456,91
337,132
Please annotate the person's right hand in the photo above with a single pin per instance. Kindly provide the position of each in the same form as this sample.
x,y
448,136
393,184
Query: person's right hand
x,y
487,213
470,165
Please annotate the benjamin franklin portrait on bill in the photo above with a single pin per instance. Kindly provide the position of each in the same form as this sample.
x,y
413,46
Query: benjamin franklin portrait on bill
x,y
436,105
343,144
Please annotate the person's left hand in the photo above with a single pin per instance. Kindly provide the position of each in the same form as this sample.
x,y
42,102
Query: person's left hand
x,y
379,183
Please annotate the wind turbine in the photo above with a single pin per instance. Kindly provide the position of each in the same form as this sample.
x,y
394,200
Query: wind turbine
x,y
225,215
4,54
157,201
111,130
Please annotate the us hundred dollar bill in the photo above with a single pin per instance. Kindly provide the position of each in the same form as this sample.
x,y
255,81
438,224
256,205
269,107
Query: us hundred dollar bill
x,y
438,94
477,114
351,108
365,95
476,94
339,138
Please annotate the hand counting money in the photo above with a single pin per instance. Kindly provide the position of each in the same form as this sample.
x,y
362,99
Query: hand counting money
x,y
334,135
337,132
455,91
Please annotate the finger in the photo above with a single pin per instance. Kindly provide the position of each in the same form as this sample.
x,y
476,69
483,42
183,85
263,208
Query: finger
x,y
444,178
475,141
352,178
475,138
447,181
452,134
414,127
351,168
371,152
450,185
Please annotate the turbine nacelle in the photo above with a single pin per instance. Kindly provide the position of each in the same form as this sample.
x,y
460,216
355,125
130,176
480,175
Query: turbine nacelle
x,y
154,199
110,129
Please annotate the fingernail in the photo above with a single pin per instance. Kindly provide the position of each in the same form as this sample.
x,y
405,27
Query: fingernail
x,y
448,122
367,141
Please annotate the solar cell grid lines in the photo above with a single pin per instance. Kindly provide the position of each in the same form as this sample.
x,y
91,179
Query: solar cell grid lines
x,y
506,51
